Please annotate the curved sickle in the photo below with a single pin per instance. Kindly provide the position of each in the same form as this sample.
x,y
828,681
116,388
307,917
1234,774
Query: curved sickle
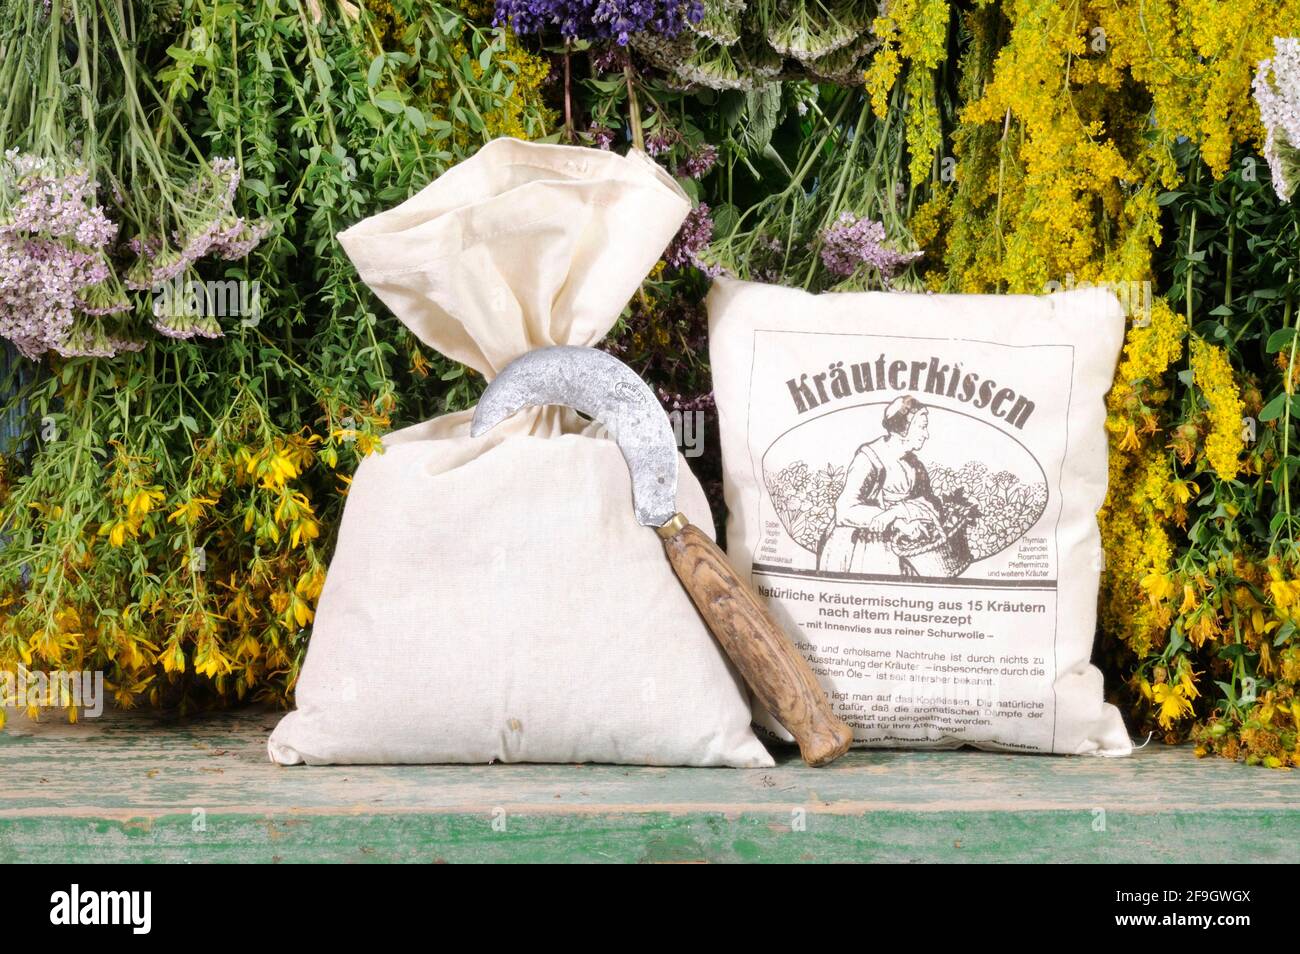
x,y
607,391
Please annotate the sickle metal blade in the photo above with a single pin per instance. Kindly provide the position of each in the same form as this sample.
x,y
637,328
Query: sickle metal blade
x,y
608,391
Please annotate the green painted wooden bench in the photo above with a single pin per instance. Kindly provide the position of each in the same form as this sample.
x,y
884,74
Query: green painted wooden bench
x,y
129,787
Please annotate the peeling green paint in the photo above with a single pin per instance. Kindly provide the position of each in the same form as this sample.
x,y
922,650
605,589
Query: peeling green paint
x,y
131,789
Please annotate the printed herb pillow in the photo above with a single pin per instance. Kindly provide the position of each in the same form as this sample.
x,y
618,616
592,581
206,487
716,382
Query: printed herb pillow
x,y
913,482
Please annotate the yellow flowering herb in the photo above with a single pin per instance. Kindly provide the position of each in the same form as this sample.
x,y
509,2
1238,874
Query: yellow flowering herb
x,y
1213,375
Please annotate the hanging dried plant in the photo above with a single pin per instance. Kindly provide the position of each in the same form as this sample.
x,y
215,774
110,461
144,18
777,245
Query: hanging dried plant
x,y
740,44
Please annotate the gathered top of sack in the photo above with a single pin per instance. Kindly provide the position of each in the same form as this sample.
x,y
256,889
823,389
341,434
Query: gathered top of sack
x,y
524,245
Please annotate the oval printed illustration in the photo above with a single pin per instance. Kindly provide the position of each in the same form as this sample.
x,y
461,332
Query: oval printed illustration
x,y
902,489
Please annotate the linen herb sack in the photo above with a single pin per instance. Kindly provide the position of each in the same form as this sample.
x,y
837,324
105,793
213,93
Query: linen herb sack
x,y
494,598
913,482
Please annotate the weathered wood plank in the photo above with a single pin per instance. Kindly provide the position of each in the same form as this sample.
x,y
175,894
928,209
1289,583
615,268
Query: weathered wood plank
x,y
129,788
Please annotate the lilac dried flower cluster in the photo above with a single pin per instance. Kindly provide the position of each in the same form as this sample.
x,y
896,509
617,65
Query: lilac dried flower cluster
x,y
1277,93
179,313
691,239
58,206
852,242
59,288
54,273
768,259
661,140
598,19
602,137
211,228
698,163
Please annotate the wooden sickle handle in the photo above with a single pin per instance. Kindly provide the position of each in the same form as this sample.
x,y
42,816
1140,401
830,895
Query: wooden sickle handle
x,y
768,661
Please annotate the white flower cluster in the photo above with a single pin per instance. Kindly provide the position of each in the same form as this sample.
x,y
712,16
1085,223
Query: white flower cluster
x,y
1277,92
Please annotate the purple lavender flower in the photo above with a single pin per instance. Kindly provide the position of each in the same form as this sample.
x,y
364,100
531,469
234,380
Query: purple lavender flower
x,y
598,19
696,233
852,242
698,163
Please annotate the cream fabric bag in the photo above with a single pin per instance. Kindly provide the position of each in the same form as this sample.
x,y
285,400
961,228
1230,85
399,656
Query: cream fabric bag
x,y
913,483
494,599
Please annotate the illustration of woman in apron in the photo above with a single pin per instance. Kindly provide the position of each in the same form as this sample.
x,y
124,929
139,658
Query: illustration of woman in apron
x,y
886,499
